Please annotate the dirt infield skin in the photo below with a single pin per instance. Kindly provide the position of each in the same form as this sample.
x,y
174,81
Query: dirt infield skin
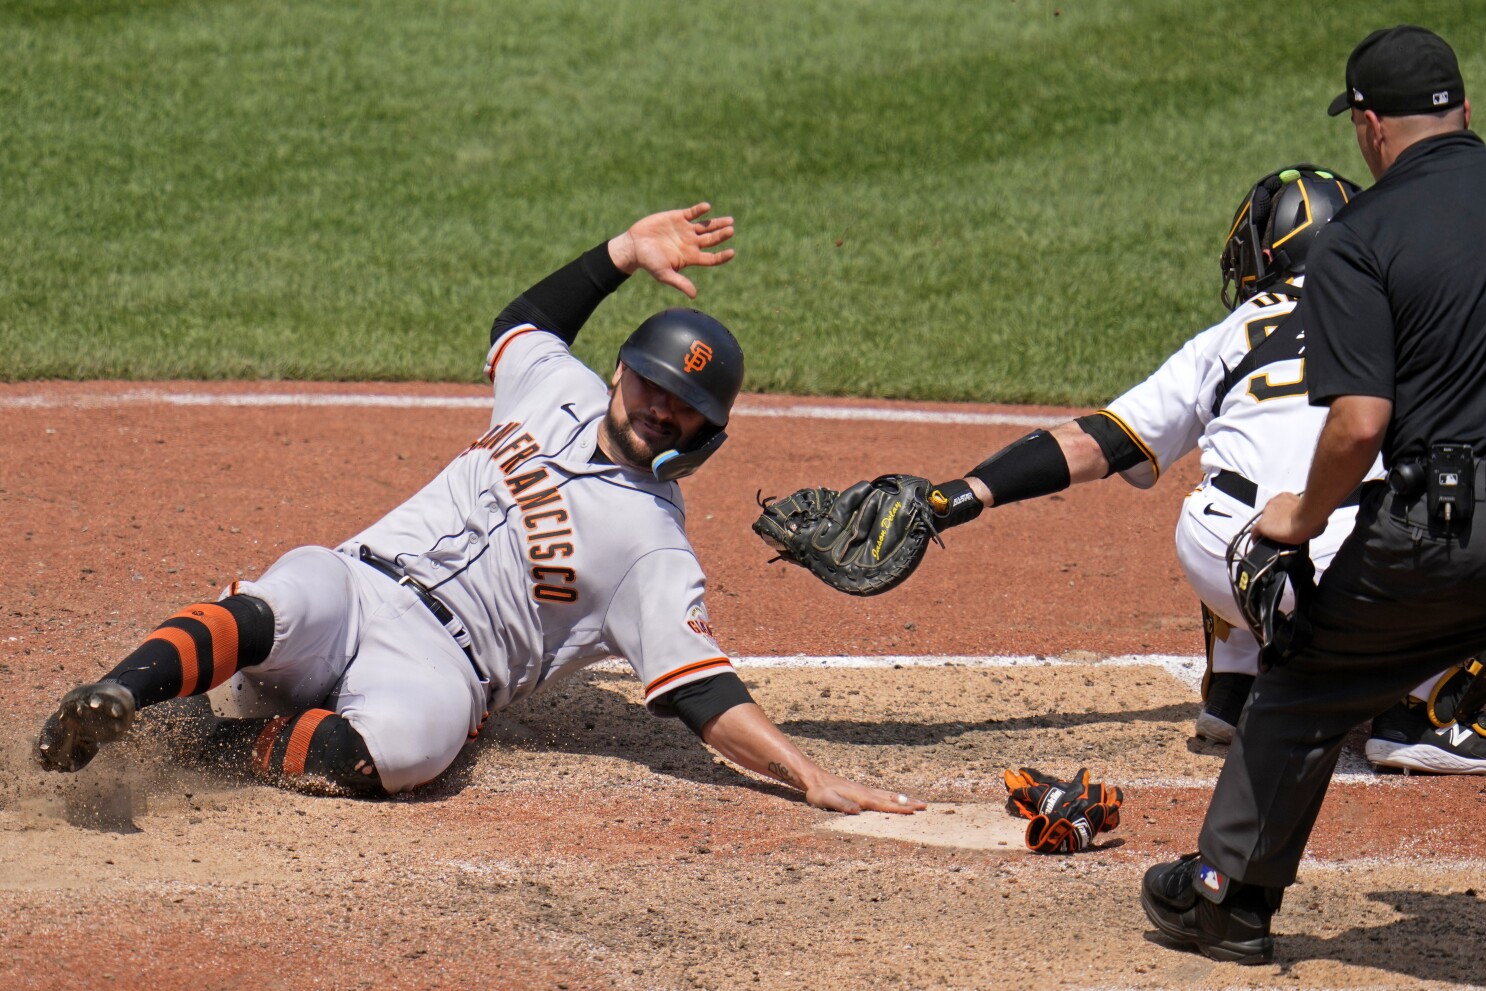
x,y
582,844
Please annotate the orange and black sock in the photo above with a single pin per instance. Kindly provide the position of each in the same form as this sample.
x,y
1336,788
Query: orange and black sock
x,y
316,750
197,649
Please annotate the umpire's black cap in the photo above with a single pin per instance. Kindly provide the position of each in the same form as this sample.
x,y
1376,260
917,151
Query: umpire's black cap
x,y
1400,71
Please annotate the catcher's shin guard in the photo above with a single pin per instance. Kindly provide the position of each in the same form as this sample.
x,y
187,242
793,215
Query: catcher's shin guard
x,y
1458,696
315,751
1224,693
197,649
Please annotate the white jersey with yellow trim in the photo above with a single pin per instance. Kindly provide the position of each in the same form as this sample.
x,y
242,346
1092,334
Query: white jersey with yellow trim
x,y
1260,426
1248,416
550,561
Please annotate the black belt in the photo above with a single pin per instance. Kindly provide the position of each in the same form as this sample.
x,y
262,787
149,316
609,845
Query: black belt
x,y
1246,492
440,611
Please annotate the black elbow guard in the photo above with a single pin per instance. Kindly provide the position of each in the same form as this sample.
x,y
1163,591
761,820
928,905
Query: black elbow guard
x,y
1121,450
1031,467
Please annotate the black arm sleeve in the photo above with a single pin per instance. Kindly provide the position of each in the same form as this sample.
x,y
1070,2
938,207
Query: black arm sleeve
x,y
563,301
698,702
1120,449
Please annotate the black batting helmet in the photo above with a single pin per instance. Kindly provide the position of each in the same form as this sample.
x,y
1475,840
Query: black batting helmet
x,y
695,358
1275,225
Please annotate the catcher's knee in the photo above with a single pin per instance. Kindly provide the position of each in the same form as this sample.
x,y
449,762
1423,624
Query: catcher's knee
x,y
316,751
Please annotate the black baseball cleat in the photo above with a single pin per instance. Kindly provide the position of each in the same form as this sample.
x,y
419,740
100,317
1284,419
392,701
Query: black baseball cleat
x,y
1405,737
1227,694
89,715
1234,928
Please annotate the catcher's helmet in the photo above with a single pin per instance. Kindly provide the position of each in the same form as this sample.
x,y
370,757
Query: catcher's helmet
x,y
1274,227
695,358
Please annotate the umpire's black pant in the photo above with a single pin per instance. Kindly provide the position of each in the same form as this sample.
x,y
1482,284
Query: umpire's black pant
x,y
1402,600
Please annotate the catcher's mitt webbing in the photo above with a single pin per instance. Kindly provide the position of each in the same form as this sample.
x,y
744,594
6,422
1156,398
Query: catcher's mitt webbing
x,y
863,540
1459,696
1063,816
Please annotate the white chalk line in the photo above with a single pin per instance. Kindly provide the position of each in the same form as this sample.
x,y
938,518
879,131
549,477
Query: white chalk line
x,y
804,411
1351,768
1187,670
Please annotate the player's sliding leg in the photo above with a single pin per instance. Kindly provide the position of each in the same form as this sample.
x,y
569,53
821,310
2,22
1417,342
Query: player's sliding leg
x,y
190,653
276,654
315,751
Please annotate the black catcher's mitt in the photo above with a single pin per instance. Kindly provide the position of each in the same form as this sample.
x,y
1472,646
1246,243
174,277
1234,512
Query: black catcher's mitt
x,y
1064,816
864,540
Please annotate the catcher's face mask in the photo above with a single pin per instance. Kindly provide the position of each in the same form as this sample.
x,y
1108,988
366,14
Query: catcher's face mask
x,y
1258,569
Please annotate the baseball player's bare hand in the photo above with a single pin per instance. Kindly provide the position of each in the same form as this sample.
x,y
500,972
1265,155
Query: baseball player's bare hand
x,y
1283,521
665,243
840,795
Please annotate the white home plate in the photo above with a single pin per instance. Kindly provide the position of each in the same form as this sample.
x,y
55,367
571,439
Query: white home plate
x,y
976,827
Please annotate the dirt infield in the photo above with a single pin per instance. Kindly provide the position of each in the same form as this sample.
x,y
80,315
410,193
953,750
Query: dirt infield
x,y
582,844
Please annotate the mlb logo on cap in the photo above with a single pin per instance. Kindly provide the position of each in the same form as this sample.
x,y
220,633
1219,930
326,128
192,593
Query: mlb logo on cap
x,y
1400,71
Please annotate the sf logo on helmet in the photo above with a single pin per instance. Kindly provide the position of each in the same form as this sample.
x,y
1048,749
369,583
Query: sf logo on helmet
x,y
697,357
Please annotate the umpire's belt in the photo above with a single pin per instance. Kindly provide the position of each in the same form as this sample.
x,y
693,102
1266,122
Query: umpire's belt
x,y
1411,488
440,611
1246,492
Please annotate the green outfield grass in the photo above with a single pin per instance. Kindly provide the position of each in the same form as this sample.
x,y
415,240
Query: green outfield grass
x,y
995,199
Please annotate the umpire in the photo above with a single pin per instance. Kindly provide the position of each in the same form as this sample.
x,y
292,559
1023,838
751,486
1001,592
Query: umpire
x,y
1395,315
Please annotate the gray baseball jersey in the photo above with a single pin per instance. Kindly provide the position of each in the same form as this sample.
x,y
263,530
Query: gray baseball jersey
x,y
550,561
547,560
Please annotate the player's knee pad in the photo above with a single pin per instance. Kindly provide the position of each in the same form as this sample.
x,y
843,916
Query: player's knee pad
x,y
316,751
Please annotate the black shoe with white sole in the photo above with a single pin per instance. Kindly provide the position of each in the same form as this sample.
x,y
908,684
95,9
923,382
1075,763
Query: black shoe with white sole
x,y
1406,738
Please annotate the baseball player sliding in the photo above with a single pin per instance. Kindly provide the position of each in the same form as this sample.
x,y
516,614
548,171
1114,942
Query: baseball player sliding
x,y
554,540
1237,393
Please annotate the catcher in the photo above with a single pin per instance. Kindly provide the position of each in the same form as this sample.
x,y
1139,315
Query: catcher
x,y
1236,392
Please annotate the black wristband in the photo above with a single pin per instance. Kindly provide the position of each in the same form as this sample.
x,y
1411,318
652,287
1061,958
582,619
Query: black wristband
x,y
1031,467
953,503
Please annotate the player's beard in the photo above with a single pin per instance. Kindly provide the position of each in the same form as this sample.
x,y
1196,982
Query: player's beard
x,y
634,449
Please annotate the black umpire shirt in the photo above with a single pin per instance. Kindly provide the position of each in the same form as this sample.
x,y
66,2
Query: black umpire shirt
x,y
1395,298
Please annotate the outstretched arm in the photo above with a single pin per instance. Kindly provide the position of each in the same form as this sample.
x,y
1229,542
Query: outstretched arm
x,y
662,244
1041,463
665,243
745,736
1085,458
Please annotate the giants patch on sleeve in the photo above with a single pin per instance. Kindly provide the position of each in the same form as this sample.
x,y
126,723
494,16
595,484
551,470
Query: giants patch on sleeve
x,y
696,619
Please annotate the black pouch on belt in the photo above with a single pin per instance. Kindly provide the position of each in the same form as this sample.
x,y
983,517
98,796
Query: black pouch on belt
x,y
1450,483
